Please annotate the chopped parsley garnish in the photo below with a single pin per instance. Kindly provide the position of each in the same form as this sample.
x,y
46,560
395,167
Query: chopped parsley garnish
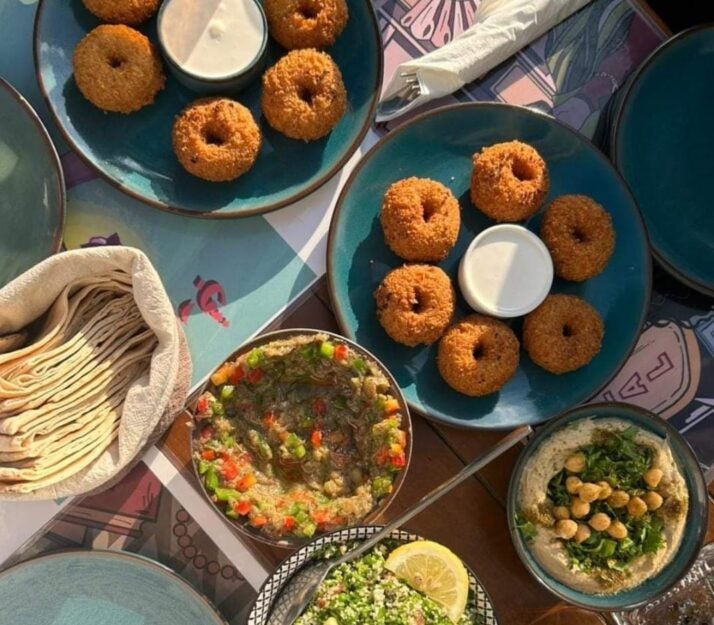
x,y
617,459
526,528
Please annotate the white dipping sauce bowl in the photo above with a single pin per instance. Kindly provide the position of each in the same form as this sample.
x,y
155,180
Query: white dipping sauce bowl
x,y
505,272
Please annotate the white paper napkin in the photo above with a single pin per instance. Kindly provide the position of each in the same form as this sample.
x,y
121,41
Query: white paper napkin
x,y
501,28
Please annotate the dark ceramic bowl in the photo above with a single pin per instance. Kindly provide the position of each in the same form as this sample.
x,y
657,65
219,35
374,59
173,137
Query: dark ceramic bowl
x,y
695,526
292,542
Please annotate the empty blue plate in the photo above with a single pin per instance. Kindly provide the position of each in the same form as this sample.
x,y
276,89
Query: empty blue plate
x,y
32,198
99,588
662,144
134,153
439,145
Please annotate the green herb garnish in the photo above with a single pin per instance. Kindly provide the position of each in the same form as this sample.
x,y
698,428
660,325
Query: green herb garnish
x,y
526,528
556,489
616,459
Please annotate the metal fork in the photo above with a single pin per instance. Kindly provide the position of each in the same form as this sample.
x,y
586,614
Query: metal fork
x,y
301,589
409,92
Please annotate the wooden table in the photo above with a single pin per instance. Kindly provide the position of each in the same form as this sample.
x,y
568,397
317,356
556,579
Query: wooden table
x,y
471,520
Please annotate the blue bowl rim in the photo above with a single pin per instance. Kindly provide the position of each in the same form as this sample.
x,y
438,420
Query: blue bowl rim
x,y
235,214
615,143
331,237
582,412
61,198
121,555
328,535
215,82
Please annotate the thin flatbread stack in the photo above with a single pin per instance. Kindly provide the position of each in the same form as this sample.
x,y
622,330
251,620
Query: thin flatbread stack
x,y
62,391
94,367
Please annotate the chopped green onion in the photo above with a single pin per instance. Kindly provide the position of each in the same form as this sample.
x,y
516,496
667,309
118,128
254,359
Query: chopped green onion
x,y
327,349
254,358
227,391
359,365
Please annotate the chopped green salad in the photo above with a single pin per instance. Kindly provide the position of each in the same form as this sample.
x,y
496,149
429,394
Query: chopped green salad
x,y
299,436
364,592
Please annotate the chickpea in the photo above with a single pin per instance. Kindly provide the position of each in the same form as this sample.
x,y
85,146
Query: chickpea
x,y
636,507
561,512
617,530
605,490
589,492
653,500
575,463
600,521
573,484
579,508
566,529
583,533
653,477
618,499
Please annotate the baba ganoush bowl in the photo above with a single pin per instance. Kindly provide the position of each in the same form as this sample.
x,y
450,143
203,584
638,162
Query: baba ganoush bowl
x,y
640,509
300,432
274,596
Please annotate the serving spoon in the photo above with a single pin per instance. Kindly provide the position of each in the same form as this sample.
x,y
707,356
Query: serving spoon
x,y
300,590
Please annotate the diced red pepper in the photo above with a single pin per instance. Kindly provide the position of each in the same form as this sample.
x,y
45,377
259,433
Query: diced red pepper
x,y
208,454
236,375
319,406
283,435
258,521
316,438
340,352
289,523
321,517
382,456
202,404
255,376
207,433
400,461
229,470
269,419
245,482
242,507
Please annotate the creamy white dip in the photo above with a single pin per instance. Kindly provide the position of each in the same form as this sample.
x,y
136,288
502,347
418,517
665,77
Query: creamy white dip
x,y
506,271
549,459
212,39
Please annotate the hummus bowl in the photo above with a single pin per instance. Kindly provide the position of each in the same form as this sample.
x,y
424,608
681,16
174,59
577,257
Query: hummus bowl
x,y
607,506
300,432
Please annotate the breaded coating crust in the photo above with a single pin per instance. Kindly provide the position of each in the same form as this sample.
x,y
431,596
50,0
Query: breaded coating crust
x,y
478,355
216,139
563,334
306,23
579,234
131,12
509,181
118,69
303,95
420,219
415,304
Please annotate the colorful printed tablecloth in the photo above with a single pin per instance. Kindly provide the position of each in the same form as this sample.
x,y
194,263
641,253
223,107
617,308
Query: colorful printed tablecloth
x,y
228,279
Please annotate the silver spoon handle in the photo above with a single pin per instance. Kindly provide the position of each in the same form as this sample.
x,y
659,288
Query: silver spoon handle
x,y
475,465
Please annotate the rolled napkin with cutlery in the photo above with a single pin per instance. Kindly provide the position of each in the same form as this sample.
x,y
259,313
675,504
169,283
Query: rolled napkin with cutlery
x,y
501,28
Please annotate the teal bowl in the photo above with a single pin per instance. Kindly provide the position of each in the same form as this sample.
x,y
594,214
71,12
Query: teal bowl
x,y
661,141
439,145
695,527
32,193
134,152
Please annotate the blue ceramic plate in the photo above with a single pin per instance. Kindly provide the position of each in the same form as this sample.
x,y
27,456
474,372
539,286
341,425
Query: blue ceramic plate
x,y
32,195
662,145
695,527
439,145
100,588
133,152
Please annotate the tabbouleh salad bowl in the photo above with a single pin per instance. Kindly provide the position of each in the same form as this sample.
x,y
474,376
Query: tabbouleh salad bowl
x,y
695,526
275,593
281,444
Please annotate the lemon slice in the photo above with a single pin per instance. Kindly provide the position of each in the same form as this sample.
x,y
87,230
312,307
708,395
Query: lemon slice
x,y
434,570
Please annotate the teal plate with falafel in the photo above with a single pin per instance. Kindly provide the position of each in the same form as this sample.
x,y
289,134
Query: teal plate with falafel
x,y
134,152
439,145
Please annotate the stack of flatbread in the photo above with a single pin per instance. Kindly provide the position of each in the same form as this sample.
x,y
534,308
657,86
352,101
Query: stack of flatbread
x,y
61,396
92,364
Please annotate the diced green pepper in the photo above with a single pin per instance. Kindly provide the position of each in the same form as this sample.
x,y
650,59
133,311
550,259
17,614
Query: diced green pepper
x,y
254,358
359,365
226,494
217,409
301,517
203,466
211,479
230,512
381,486
306,530
227,439
227,391
327,349
299,452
